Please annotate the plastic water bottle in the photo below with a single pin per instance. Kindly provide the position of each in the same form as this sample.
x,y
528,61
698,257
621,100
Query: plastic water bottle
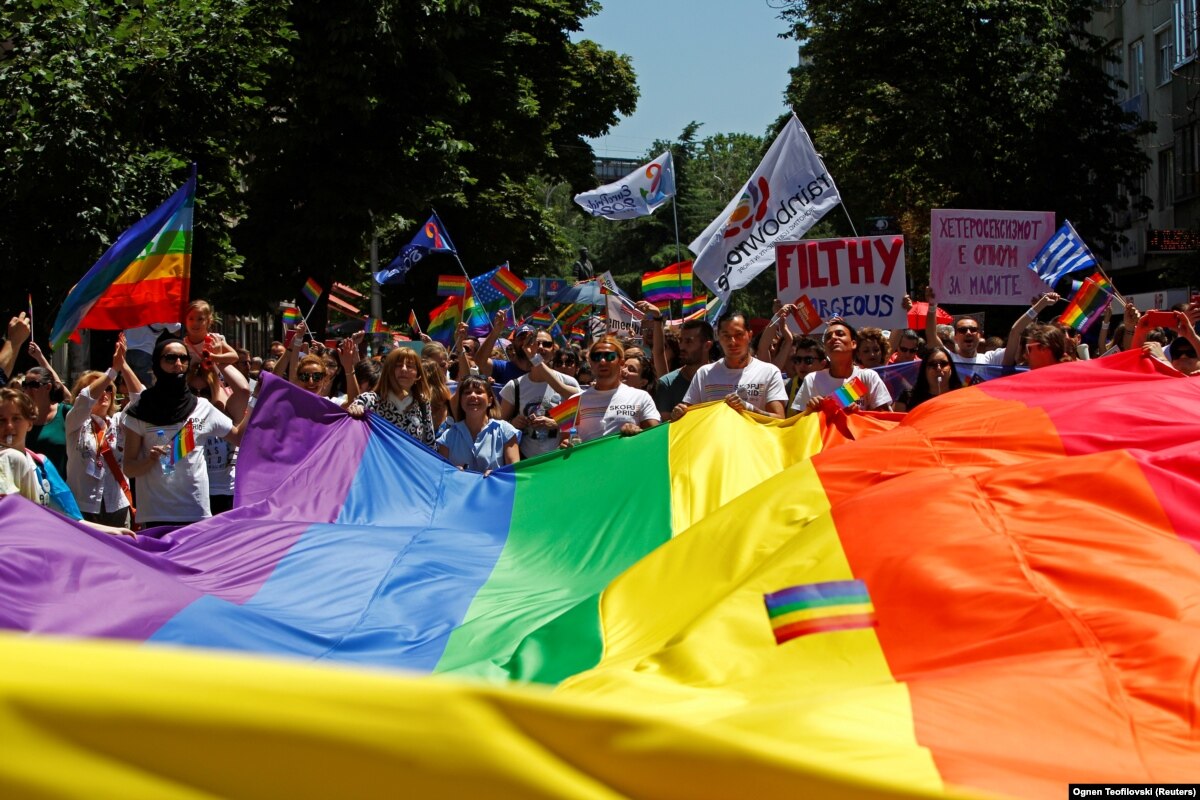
x,y
164,461
573,436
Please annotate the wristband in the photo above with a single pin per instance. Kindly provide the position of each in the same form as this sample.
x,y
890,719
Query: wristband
x,y
111,374
1032,313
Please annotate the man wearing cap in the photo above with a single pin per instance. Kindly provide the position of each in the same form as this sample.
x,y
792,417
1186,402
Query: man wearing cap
x,y
498,369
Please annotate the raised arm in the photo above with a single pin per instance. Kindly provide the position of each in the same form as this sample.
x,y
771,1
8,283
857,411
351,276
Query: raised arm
x,y
18,334
483,353
1013,348
348,355
45,364
652,324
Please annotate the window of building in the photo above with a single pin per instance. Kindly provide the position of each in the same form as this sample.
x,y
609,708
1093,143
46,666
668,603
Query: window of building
x,y
1164,46
1137,68
1187,179
1114,69
1187,38
1166,179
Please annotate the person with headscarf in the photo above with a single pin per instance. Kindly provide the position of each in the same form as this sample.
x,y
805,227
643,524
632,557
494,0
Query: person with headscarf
x,y
164,434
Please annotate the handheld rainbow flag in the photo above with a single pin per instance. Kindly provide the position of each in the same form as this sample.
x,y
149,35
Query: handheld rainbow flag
x,y
541,317
312,290
819,608
184,443
443,321
1087,303
452,285
672,283
292,315
413,323
565,412
695,305
374,325
144,278
848,393
578,334
508,284
475,314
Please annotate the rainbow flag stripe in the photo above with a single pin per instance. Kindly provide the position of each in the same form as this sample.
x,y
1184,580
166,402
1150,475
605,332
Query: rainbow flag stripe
x,y
849,393
292,315
1088,303
373,325
183,443
696,305
819,608
541,317
565,412
508,284
443,321
311,290
143,278
671,283
452,286
1024,640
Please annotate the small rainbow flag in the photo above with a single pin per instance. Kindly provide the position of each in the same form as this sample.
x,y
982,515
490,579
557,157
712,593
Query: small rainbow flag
x,y
443,321
694,306
374,325
672,283
508,284
413,323
1088,303
849,393
565,412
819,608
292,315
312,290
578,334
540,317
452,285
185,442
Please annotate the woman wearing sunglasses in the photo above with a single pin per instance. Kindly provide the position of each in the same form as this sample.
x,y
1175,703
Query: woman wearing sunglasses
x,y
165,431
609,406
94,470
312,375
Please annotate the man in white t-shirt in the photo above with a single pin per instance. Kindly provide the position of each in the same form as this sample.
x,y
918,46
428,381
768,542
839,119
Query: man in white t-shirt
x,y
841,340
525,402
610,406
968,335
740,379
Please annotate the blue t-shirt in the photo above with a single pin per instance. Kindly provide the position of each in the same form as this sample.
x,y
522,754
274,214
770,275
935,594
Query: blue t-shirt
x,y
485,451
505,371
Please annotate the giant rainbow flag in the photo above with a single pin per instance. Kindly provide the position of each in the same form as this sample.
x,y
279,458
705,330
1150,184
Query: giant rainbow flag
x,y
1028,548
143,278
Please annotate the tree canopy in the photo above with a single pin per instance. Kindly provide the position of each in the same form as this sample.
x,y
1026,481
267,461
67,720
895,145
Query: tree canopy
x,y
919,104
314,125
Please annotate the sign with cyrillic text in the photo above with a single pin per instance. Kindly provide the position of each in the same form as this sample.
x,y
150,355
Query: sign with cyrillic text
x,y
859,279
982,257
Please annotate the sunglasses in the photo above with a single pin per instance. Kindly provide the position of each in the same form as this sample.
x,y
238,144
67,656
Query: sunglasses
x,y
548,345
310,377
108,390
967,329
28,384
939,365
598,357
806,359
904,349
176,358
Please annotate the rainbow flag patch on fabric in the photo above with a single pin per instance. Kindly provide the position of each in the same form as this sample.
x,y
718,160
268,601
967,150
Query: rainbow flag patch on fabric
x,y
185,442
819,608
565,412
849,393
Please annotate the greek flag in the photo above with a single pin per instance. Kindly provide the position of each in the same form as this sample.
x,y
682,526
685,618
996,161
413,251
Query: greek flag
x,y
1063,254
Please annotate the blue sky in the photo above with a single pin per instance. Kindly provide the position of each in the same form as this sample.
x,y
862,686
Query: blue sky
x,y
719,63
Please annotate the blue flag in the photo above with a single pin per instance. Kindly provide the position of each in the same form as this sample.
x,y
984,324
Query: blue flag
x,y
431,238
1063,254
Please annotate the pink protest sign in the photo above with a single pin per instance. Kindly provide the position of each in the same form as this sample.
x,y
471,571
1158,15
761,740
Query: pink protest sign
x,y
982,257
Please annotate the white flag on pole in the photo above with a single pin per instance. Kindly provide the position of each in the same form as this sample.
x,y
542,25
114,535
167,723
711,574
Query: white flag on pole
x,y
788,194
637,194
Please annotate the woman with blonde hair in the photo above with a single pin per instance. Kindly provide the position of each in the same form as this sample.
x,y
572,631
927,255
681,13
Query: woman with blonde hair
x,y
97,442
402,396
439,392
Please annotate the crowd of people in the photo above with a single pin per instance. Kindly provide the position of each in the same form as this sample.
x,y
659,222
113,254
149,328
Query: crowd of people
x,y
158,431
